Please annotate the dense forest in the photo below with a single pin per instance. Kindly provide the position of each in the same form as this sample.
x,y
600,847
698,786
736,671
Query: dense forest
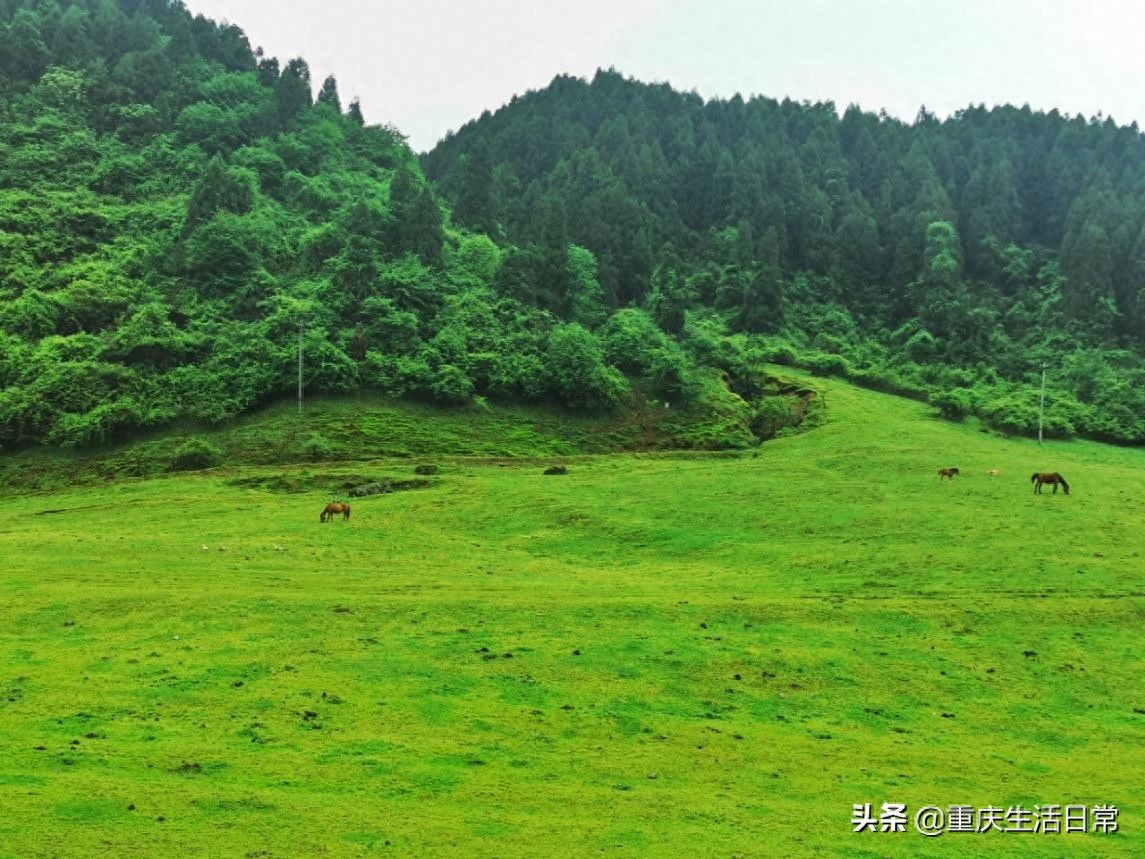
x,y
954,258
182,217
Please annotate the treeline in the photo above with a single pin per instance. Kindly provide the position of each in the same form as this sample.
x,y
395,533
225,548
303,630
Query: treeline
x,y
952,258
181,216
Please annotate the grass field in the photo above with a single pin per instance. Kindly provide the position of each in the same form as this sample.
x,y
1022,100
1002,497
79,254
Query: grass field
x,y
655,655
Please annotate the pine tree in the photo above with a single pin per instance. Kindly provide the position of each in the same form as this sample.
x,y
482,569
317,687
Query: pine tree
x,y
475,206
328,94
354,112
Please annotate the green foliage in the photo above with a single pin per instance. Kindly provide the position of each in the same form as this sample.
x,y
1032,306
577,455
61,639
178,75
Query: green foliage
x,y
580,375
937,242
772,415
450,385
630,339
317,447
171,194
826,365
633,342
475,260
195,454
953,404
585,297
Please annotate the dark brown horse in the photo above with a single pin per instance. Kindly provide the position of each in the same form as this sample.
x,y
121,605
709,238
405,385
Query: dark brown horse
x,y
947,472
333,509
1053,477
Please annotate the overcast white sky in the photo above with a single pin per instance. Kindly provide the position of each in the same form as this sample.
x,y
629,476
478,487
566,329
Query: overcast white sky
x,y
429,66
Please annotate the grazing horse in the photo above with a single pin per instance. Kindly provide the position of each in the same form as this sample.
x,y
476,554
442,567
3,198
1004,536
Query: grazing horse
x,y
1048,477
333,509
947,472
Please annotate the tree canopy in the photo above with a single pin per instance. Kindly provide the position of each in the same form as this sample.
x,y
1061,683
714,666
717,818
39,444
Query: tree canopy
x,y
180,213
965,254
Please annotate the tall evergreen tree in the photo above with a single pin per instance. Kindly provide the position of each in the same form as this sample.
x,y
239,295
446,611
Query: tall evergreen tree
x,y
328,94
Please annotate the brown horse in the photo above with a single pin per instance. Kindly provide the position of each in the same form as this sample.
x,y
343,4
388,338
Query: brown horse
x,y
947,472
1053,477
333,509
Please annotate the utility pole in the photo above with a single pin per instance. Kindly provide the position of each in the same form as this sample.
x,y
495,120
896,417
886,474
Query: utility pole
x,y
300,324
1041,408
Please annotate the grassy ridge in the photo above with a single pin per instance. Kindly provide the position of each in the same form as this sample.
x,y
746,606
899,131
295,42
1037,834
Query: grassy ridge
x,y
659,654
364,428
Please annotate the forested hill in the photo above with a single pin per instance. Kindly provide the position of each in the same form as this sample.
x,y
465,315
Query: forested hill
x,y
181,217
178,212
172,206
955,256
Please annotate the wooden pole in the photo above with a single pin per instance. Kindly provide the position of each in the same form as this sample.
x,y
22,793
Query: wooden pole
x,y
1042,404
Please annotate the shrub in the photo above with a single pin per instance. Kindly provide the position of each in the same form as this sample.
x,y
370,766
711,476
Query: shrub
x,y
578,370
195,454
317,447
953,404
630,340
827,365
781,352
772,415
451,385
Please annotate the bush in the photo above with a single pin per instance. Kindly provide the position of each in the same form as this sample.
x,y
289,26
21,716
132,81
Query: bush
x,y
827,365
772,415
888,382
631,339
317,447
451,385
953,404
921,346
578,370
670,373
1018,415
195,454
781,352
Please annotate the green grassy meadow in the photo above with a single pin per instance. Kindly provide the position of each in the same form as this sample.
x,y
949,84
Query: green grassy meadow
x,y
659,654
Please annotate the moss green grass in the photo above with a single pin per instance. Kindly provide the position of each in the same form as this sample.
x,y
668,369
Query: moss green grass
x,y
657,654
